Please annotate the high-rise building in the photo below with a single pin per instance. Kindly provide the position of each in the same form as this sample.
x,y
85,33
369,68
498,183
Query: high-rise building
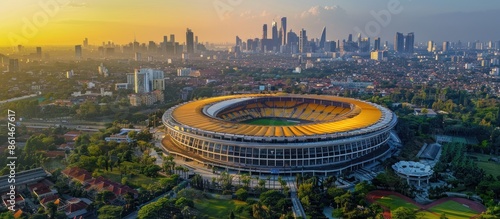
x,y
330,46
292,41
238,41
172,38
78,51
264,31
39,52
85,42
303,41
189,41
364,44
283,31
399,42
430,46
446,46
323,38
409,42
274,32
349,38
13,65
152,46
376,44
144,77
138,57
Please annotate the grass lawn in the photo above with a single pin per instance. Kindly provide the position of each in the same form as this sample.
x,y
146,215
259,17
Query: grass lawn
x,y
393,202
453,209
269,121
219,208
53,164
489,167
138,180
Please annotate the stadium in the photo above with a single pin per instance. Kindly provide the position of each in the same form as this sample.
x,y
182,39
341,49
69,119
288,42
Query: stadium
x,y
279,133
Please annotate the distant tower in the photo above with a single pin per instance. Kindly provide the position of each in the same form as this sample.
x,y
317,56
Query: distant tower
x,y
13,65
399,42
172,38
323,38
189,41
274,31
430,46
138,57
85,42
446,46
302,41
409,42
39,52
264,31
283,31
78,51
376,44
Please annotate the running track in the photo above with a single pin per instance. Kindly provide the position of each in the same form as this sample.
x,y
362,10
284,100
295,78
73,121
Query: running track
x,y
377,194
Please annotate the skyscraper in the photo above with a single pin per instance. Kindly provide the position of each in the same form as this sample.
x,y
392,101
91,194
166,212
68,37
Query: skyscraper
x,y
430,46
264,31
85,42
399,42
144,77
189,41
39,52
138,57
376,44
13,65
323,38
283,31
446,46
302,41
409,42
78,51
172,38
274,31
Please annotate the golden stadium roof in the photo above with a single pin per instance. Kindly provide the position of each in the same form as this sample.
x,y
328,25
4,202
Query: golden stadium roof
x,y
361,115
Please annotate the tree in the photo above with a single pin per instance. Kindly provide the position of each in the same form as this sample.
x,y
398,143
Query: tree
x,y
271,198
6,215
51,210
183,202
241,194
109,212
231,216
197,181
404,213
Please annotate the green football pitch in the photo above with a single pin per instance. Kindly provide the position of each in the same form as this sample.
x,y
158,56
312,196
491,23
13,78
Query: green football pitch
x,y
270,122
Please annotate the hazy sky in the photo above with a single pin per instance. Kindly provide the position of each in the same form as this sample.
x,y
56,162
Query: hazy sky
x,y
67,22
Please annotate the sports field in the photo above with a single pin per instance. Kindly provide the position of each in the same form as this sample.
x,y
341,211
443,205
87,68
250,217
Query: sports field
x,y
453,207
270,122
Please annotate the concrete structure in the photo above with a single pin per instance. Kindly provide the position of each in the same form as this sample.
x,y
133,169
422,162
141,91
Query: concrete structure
x,y
331,135
144,77
413,171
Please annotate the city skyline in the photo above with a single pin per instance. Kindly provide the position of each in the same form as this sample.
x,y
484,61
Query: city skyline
x,y
67,22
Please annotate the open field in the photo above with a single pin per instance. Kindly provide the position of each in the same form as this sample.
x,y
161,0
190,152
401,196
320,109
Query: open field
x,y
219,208
270,122
489,166
392,202
458,208
453,209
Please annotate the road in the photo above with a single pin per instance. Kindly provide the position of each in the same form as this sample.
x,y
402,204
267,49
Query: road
x,y
298,209
78,125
